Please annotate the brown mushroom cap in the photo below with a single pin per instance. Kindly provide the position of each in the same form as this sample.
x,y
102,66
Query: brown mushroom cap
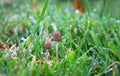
x,y
57,36
47,44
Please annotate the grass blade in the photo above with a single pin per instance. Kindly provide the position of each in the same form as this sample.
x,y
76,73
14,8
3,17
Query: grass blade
x,y
42,14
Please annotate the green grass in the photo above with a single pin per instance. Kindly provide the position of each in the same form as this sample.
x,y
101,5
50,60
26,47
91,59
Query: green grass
x,y
90,43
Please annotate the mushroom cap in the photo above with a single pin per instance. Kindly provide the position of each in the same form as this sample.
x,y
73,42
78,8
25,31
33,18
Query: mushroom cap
x,y
47,44
56,36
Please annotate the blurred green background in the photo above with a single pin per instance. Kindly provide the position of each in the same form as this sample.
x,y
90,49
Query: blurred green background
x,y
14,12
110,7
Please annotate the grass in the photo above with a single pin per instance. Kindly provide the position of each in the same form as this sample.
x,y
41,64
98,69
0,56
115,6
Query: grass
x,y
90,43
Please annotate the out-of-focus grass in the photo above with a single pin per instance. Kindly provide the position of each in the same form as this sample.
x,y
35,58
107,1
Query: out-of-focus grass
x,y
89,45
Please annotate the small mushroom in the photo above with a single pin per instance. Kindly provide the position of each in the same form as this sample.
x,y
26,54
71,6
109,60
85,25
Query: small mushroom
x,y
47,46
57,38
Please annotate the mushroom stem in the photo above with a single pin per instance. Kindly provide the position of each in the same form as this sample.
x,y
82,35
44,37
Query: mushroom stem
x,y
56,51
47,54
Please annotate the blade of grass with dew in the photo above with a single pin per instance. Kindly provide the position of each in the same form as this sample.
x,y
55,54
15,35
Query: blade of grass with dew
x,y
41,15
82,60
102,9
86,52
70,56
88,7
83,39
28,41
63,25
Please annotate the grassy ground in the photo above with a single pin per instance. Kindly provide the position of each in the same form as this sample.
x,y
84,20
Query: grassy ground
x,y
90,42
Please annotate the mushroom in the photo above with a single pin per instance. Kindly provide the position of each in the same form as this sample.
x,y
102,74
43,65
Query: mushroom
x,y
47,46
57,38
